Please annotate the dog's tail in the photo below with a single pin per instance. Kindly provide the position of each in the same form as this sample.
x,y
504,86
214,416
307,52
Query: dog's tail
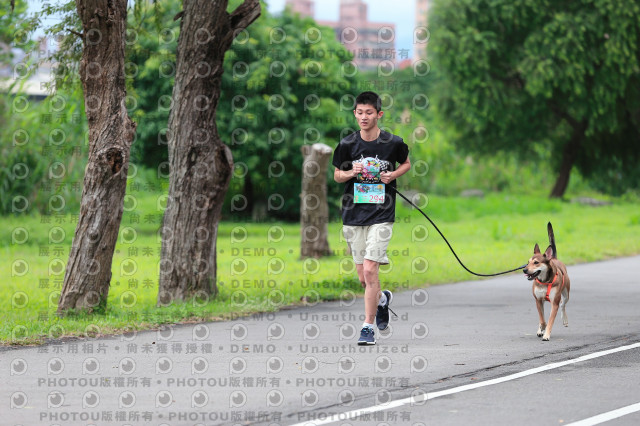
x,y
552,241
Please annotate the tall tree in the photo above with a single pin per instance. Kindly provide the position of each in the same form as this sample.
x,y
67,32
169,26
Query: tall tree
x,y
200,163
111,132
281,88
564,74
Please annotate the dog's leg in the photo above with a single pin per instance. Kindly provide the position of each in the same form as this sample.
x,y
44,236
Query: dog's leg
x,y
541,324
552,318
563,304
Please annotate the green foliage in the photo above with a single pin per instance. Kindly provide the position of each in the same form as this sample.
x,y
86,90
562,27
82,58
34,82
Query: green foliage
x,y
283,87
42,144
528,74
44,153
152,37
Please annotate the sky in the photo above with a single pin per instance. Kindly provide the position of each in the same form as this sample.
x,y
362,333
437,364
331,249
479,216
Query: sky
x,y
399,12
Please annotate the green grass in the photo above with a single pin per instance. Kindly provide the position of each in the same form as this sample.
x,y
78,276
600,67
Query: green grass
x,y
259,267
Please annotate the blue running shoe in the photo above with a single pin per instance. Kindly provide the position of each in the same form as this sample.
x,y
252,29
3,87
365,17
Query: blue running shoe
x,y
367,337
382,316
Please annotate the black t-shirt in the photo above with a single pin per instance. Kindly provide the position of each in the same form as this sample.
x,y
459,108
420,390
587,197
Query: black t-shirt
x,y
384,153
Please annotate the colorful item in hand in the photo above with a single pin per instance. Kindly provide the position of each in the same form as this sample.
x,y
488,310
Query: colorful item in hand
x,y
371,171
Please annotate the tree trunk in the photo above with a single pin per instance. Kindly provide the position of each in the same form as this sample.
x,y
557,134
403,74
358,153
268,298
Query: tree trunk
x,y
569,154
200,163
111,132
314,209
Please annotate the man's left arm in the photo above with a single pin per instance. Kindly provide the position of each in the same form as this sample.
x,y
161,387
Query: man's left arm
x,y
387,177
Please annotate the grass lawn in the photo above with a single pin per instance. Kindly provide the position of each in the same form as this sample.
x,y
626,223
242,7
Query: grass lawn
x,y
259,267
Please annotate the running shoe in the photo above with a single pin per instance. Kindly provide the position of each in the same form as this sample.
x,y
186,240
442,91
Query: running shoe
x,y
382,316
367,337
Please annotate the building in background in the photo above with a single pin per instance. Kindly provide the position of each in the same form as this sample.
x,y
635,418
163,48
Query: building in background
x,y
371,43
303,7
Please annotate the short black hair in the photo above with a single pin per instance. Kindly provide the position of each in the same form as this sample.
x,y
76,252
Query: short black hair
x,y
369,98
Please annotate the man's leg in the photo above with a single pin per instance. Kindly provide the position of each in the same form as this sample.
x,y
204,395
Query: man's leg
x,y
378,302
360,271
372,290
356,240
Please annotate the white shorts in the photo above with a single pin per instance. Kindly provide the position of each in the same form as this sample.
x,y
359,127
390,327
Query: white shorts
x,y
369,242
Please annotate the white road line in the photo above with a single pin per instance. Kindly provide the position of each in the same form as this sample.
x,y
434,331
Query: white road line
x,y
420,398
605,417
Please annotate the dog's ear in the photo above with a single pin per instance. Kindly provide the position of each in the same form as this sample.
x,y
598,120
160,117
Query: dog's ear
x,y
548,253
536,249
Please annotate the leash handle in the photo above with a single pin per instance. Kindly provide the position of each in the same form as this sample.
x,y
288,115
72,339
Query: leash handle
x,y
451,248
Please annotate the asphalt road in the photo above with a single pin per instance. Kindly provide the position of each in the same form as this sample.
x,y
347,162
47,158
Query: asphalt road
x,y
458,354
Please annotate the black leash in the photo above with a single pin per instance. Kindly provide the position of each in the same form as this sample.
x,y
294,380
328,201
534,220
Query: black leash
x,y
451,248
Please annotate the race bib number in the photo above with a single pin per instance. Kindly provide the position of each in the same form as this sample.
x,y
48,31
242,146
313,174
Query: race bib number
x,y
368,193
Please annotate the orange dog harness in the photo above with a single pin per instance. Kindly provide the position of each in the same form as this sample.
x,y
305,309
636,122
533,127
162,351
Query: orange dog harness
x,y
549,285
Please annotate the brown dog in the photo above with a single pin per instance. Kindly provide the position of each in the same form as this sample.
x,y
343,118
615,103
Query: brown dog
x,y
550,283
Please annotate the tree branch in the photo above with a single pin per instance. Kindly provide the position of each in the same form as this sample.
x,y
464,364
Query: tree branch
x,y
244,15
76,33
575,124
